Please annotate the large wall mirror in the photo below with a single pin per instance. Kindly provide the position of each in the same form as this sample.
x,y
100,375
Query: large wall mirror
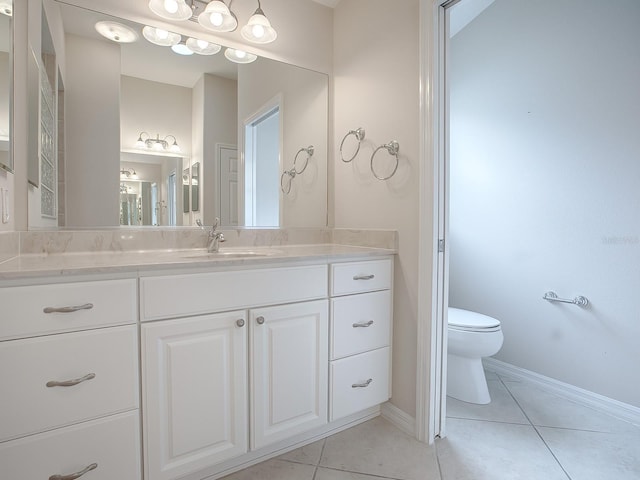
x,y
156,138
6,75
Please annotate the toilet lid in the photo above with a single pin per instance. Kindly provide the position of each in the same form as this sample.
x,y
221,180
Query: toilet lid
x,y
467,319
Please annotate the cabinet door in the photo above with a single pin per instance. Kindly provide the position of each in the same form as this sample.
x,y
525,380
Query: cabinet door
x,y
194,393
289,369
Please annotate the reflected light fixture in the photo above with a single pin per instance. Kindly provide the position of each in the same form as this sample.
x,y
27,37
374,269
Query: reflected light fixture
x,y
258,29
6,7
115,31
160,36
128,172
218,17
181,49
239,56
202,47
171,9
159,144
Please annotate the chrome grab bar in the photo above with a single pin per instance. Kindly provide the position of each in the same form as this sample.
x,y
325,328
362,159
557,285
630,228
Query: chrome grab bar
x,y
579,300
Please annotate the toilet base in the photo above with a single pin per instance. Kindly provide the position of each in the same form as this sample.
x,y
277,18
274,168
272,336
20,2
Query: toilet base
x,y
466,380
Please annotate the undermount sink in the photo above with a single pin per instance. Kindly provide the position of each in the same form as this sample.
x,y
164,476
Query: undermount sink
x,y
230,254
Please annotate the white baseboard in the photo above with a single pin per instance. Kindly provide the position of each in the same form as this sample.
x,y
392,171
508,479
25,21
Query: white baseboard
x,y
607,405
399,418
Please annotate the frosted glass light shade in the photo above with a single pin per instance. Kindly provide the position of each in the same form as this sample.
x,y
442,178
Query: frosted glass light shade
x,y
116,32
171,9
258,29
160,37
218,18
181,49
202,47
239,56
6,7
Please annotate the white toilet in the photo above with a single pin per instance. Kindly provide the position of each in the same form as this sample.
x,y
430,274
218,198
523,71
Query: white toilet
x,y
471,337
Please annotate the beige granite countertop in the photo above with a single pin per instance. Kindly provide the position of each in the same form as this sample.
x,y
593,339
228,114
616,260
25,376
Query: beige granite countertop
x,y
113,262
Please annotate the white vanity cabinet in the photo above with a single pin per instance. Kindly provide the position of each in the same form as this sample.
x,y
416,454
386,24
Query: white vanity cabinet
x,y
69,367
361,326
211,381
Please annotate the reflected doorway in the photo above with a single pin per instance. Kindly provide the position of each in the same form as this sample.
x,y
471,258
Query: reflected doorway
x,y
263,140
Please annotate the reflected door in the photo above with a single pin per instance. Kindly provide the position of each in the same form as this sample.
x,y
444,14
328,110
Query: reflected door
x,y
228,175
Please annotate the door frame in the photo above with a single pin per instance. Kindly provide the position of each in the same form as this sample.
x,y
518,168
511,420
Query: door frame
x,y
431,371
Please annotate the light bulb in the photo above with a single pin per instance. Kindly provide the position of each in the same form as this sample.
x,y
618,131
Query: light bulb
x,y
202,44
241,54
162,34
258,31
157,146
171,6
216,19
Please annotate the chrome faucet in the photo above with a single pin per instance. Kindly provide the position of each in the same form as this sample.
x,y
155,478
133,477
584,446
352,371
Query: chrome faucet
x,y
215,238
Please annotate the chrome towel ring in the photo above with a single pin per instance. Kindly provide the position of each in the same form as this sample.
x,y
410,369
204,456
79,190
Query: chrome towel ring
x,y
392,148
359,134
288,175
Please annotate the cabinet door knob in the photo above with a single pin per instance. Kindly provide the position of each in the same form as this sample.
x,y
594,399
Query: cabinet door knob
x,y
364,277
86,306
71,383
362,385
363,324
260,320
240,322
73,476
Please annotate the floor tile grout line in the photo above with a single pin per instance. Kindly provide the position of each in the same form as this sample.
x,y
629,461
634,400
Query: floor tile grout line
x,y
373,475
536,430
437,450
488,421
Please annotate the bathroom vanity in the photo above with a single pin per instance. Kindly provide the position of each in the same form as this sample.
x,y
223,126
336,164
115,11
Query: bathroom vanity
x,y
188,367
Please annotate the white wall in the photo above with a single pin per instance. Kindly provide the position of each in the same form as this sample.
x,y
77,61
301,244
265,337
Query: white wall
x,y
544,185
93,85
304,117
376,86
215,121
155,108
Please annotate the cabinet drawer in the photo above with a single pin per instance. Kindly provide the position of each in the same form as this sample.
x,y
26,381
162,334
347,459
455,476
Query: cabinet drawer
x,y
112,443
109,302
360,323
196,294
359,382
26,366
357,277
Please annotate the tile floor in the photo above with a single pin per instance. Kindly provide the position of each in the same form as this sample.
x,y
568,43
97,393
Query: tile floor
x,y
525,433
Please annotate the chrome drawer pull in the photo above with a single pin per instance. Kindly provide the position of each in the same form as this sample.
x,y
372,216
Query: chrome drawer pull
x,y
71,383
362,385
363,324
364,277
86,306
260,320
73,476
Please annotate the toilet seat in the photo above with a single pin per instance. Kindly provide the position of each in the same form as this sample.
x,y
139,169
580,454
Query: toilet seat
x,y
467,321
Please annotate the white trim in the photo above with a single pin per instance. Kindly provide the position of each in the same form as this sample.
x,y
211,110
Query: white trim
x,y
399,418
604,404
431,351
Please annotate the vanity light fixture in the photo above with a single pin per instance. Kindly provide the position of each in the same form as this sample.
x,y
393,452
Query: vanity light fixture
x,y
216,16
164,144
181,48
160,36
171,9
128,172
239,56
114,31
258,29
202,47
6,7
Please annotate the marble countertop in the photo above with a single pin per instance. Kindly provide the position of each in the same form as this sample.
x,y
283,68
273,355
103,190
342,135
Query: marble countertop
x,y
46,265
